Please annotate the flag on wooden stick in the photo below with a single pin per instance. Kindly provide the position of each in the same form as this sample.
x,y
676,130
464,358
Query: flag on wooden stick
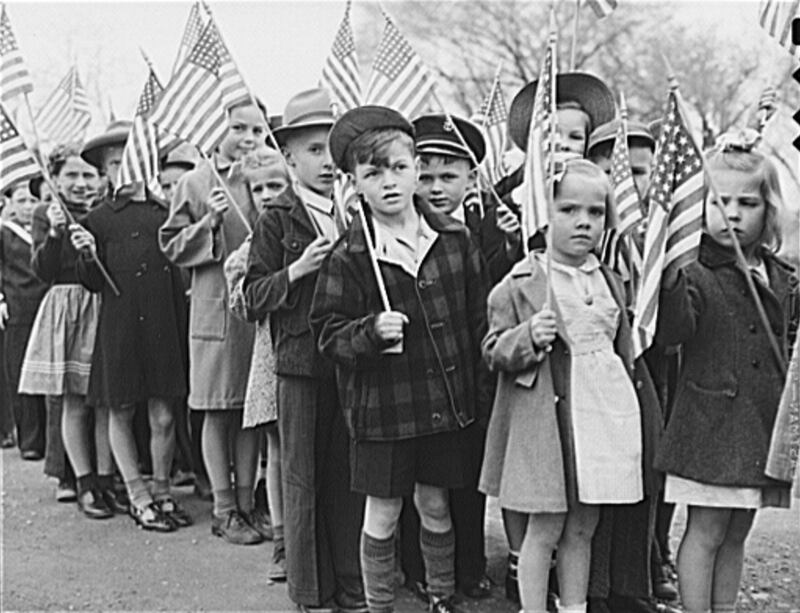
x,y
535,192
16,161
14,76
602,8
340,73
629,208
675,217
776,16
194,105
493,121
191,34
65,115
400,80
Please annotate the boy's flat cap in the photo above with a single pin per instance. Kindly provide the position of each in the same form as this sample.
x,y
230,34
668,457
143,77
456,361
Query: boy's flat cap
x,y
436,135
588,91
608,132
359,120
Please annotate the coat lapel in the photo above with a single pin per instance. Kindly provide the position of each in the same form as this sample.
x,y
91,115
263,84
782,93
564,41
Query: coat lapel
x,y
532,283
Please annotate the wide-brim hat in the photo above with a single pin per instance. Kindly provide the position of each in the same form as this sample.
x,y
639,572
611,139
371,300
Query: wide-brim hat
x,y
115,135
35,186
608,132
309,109
436,135
588,91
356,122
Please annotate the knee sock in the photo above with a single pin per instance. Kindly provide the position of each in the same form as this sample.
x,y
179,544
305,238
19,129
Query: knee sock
x,y
244,498
224,502
160,489
377,568
573,608
105,482
86,483
137,492
438,552
278,542
723,608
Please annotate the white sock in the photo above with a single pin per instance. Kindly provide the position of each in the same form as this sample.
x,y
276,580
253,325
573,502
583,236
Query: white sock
x,y
573,608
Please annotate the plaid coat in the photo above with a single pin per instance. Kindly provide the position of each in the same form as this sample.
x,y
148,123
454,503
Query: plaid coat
x,y
438,383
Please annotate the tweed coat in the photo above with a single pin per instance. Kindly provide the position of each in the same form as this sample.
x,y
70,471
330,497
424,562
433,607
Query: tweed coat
x,y
529,463
220,345
140,350
438,381
729,387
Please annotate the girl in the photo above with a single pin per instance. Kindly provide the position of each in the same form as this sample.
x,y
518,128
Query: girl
x,y
556,461
716,442
268,178
140,354
200,232
59,354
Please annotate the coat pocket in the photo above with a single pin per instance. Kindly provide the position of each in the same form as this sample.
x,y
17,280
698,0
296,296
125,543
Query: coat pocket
x,y
527,378
293,247
209,319
708,400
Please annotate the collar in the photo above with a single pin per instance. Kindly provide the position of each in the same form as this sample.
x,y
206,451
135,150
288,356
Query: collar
x,y
314,200
438,222
589,266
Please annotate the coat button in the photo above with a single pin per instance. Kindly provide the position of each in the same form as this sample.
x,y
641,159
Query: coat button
x,y
430,372
556,399
134,235
422,284
437,417
752,328
755,363
639,384
141,317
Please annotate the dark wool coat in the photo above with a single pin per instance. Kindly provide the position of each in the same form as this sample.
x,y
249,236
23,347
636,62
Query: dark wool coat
x,y
281,234
438,383
729,386
141,346
53,259
529,462
491,240
22,289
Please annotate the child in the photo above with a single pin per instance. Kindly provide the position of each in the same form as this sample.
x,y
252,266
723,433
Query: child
x,y
556,461
21,292
448,176
407,406
268,179
583,103
58,357
290,240
201,231
140,354
716,442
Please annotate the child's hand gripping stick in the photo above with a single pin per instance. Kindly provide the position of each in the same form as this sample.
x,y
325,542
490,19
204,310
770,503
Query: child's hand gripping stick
x,y
542,327
389,328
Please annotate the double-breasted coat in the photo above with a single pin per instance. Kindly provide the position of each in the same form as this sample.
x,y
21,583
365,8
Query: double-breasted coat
x,y
529,464
220,345
140,348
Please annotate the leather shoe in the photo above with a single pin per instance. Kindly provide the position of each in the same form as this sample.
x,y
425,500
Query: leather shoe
x,y
93,506
151,518
418,589
65,492
117,501
31,455
259,520
479,590
174,512
234,529
7,440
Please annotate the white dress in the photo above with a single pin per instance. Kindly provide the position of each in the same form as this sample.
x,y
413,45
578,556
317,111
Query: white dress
x,y
606,417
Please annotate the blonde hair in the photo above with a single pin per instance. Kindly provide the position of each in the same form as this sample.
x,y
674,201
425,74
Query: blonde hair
x,y
263,158
769,187
590,170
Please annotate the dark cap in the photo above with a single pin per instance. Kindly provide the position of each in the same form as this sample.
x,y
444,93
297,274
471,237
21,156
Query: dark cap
x,y
115,136
359,120
586,90
436,135
608,132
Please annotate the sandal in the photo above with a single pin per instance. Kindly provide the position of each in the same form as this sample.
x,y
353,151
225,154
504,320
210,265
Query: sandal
x,y
151,518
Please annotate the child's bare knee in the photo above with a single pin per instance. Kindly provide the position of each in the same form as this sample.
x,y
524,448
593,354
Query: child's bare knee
x,y
432,503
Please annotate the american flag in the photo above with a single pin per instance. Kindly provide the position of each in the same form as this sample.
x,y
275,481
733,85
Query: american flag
x,y
141,154
340,72
14,76
16,161
775,16
194,106
493,121
535,193
602,8
625,194
191,34
65,115
399,78
675,217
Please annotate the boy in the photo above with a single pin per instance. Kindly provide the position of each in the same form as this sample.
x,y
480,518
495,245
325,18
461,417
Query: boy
x,y
290,240
409,375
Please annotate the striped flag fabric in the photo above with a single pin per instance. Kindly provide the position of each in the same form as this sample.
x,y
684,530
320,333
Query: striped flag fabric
x,y
195,103
399,80
16,161
675,217
14,76
535,193
493,122
191,34
65,115
625,194
340,73
775,16
602,8
141,155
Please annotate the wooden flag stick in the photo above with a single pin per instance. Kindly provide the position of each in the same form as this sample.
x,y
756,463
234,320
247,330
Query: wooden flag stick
x,y
552,42
374,259
575,26
227,191
717,199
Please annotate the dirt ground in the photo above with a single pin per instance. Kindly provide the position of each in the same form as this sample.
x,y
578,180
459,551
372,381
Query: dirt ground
x,y
51,558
